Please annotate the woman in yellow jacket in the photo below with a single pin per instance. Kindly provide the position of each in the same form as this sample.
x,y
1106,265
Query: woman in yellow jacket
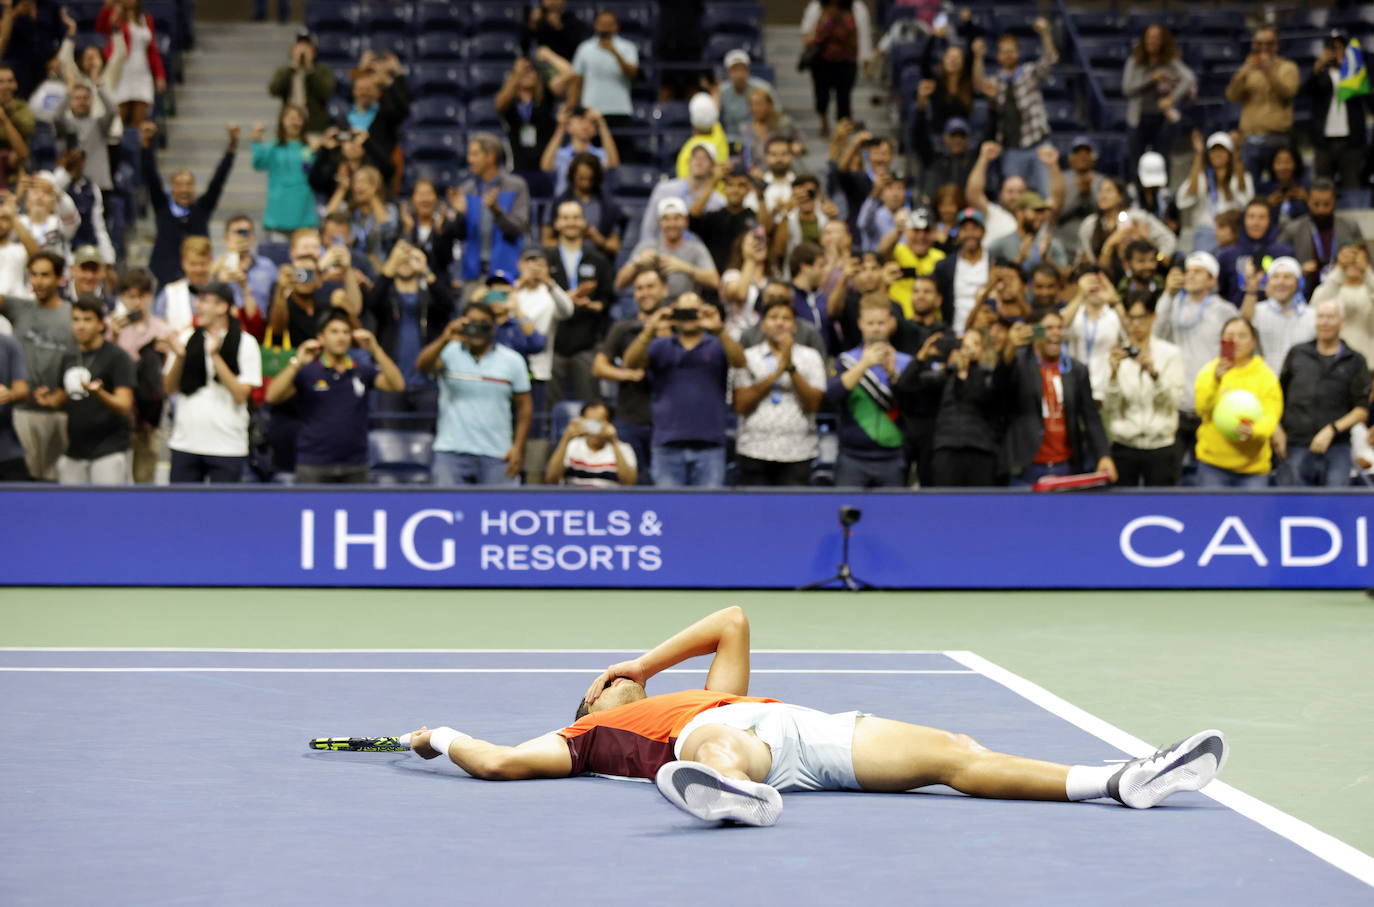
x,y
1246,461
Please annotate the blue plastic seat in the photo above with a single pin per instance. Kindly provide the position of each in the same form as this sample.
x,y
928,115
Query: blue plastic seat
x,y
482,115
1063,115
323,16
438,78
438,15
635,180
494,46
1175,21
336,47
738,18
489,18
278,252
438,110
486,79
1226,22
441,175
439,144
1095,22
1098,51
399,43
670,115
377,17
406,455
717,46
1114,115
444,47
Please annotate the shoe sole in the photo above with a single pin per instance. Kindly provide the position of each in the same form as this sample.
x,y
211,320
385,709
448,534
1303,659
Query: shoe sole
x,y
705,793
1191,769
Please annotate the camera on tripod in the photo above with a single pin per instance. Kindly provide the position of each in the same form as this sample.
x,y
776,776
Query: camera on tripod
x,y
850,515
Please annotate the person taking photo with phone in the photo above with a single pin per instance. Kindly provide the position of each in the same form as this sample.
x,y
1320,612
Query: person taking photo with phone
x,y
484,403
1244,459
1140,407
590,455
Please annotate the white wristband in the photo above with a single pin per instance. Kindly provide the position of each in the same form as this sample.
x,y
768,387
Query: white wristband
x,y
441,737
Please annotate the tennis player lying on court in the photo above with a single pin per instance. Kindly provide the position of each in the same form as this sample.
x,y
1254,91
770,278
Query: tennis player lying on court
x,y
721,754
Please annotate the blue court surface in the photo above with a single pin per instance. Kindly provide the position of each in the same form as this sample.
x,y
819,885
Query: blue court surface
x,y
182,777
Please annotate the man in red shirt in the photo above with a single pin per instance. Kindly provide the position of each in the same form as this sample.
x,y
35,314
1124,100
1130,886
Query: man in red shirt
x,y
720,754
1054,427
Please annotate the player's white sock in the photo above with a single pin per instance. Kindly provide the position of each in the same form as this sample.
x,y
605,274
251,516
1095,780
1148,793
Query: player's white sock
x,y
1088,782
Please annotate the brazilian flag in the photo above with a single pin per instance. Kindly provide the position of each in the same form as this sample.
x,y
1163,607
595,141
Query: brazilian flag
x,y
1354,79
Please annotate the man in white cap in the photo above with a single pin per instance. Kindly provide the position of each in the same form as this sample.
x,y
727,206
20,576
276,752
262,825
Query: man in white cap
x,y
700,174
734,94
1190,315
682,257
1283,319
705,117
1151,190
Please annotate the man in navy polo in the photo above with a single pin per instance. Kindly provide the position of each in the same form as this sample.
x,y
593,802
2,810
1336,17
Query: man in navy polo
x,y
687,373
331,397
478,442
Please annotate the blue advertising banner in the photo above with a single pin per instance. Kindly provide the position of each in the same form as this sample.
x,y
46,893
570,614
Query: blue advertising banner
x,y
648,539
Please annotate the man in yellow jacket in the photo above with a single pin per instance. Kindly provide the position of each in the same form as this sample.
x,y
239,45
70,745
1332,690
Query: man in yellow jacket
x,y
1246,461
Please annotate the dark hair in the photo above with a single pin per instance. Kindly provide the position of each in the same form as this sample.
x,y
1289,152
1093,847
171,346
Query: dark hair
x,y
1229,219
480,307
333,313
766,306
59,264
140,279
610,413
586,159
1144,297
281,123
1322,184
1140,246
1168,48
236,218
1046,268
1254,334
89,304
584,708
806,179
776,140
339,217
928,278
1292,153
1040,315
804,254
1257,203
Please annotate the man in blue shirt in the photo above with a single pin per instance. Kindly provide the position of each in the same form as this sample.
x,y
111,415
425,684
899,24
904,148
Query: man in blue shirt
x,y
478,442
688,374
331,398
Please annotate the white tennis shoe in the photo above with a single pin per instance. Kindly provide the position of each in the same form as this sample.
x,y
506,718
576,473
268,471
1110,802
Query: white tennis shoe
x,y
707,794
1187,765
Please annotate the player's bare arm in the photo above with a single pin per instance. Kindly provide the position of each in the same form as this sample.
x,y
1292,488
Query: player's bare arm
x,y
726,633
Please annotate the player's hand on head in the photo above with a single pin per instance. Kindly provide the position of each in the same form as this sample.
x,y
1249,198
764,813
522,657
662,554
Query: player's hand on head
x,y
631,669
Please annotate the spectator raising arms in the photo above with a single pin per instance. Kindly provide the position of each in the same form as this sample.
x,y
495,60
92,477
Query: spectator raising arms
x,y
180,213
305,84
1217,183
1264,87
331,398
1340,136
527,109
589,455
14,388
143,76
579,125
16,127
43,326
607,64
411,309
290,202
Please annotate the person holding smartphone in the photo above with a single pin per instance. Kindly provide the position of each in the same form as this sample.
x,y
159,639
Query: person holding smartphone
x,y
590,455
1246,460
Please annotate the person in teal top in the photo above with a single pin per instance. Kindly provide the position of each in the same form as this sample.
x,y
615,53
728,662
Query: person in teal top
x,y
290,201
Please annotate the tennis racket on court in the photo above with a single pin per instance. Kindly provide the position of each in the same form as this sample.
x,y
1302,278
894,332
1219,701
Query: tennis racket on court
x,y
359,745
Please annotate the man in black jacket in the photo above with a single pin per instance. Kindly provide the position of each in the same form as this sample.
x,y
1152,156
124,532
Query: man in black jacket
x,y
1053,427
410,308
180,213
1339,140
576,266
1325,394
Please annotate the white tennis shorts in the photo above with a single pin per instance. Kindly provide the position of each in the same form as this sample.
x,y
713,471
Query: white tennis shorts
x,y
811,750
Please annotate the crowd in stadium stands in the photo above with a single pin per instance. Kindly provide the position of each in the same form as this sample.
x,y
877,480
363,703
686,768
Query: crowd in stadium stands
x,y
563,243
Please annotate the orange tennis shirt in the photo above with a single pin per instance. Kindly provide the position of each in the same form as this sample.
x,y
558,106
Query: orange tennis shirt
x,y
635,740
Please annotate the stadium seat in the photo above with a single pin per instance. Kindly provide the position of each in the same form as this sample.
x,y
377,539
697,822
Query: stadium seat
x,y
43,146
1109,80
717,46
561,415
670,115
399,43
1354,200
441,175
486,79
482,115
386,17
438,78
336,48
491,18
439,15
278,252
634,180
494,46
400,457
1063,116
1100,51
734,18
443,145
1175,21
1114,116
437,110
1094,23
1220,52
444,46
1061,86
1221,22
324,17
1307,19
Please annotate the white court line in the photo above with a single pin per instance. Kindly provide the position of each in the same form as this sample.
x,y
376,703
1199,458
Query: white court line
x,y
213,670
1319,843
446,651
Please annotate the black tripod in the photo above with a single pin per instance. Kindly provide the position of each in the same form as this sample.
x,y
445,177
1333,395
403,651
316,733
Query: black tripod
x,y
845,577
